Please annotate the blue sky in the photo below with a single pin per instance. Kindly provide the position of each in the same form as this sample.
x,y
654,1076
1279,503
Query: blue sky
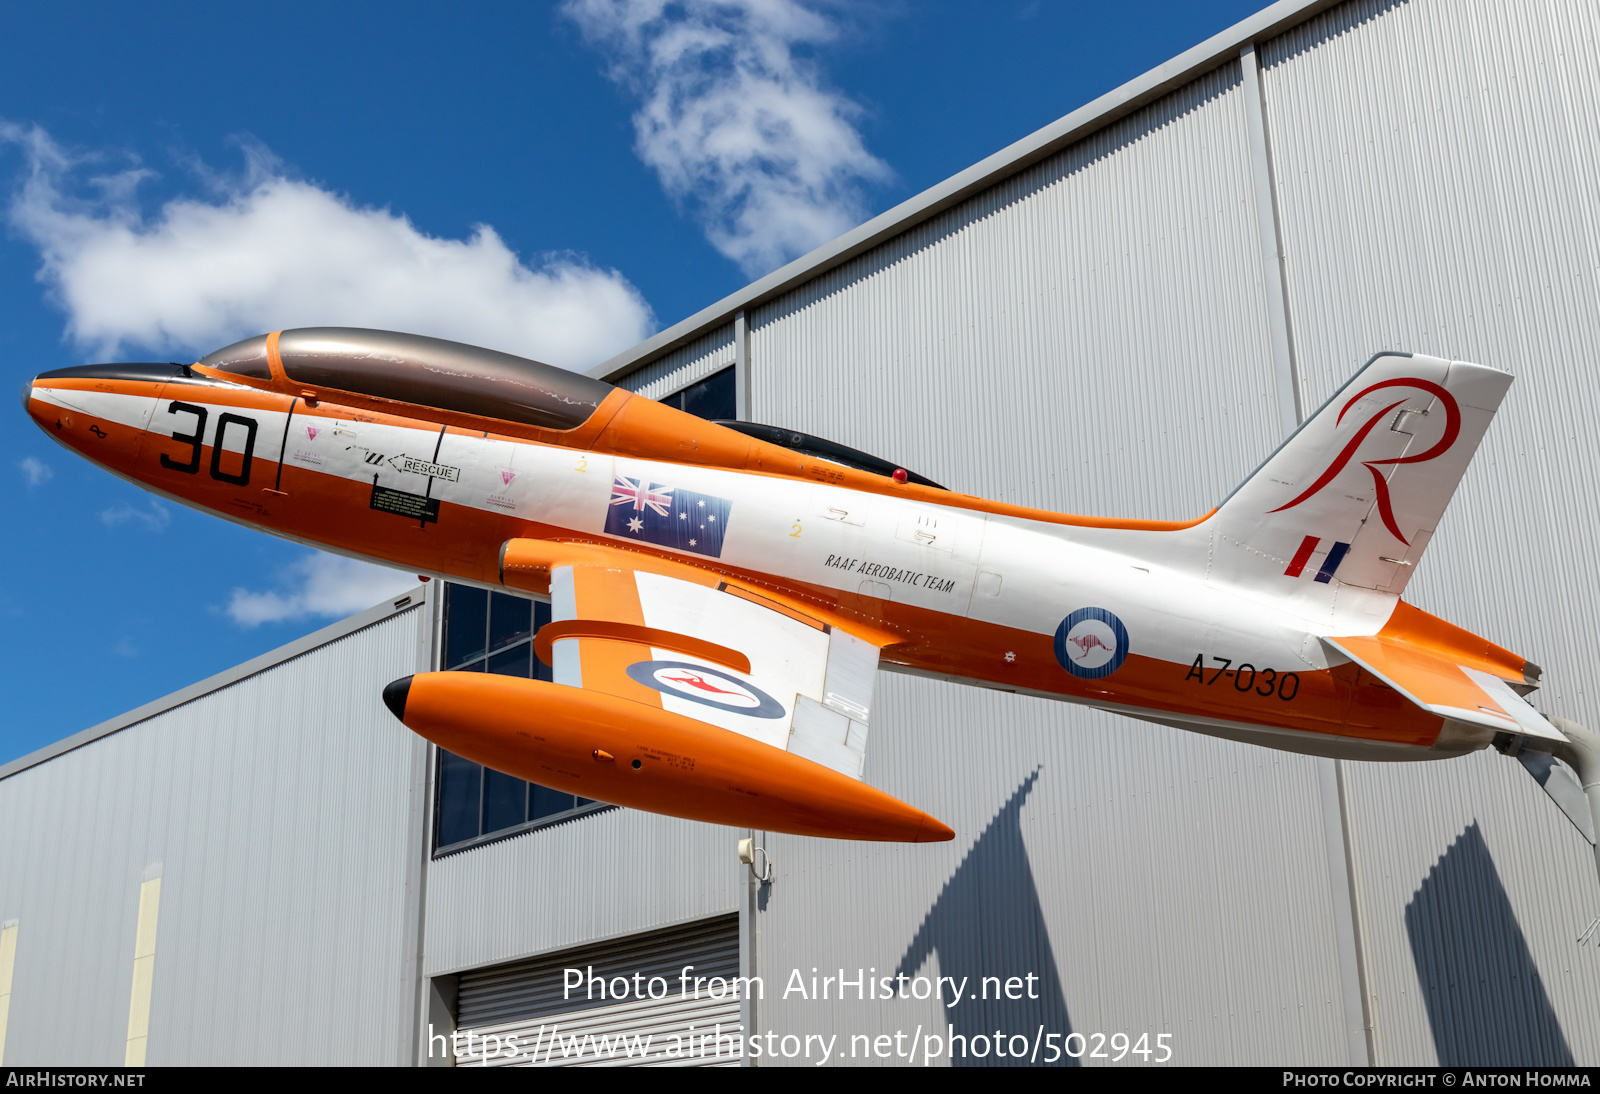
x,y
558,180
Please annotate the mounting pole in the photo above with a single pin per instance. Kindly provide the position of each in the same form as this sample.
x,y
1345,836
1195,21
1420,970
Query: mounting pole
x,y
1582,754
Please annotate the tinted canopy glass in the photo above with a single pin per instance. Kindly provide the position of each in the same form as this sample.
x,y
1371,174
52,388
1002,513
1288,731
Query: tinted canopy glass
x,y
247,358
447,375
825,449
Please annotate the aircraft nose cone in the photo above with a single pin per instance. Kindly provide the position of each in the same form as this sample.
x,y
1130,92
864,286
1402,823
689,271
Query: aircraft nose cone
x,y
395,694
27,393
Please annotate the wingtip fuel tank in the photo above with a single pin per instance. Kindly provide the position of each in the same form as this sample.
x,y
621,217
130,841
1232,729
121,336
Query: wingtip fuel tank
x,y
619,751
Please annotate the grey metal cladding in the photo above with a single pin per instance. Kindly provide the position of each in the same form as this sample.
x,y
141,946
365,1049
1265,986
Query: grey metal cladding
x,y
1436,171
288,651
1473,890
276,808
601,876
1090,335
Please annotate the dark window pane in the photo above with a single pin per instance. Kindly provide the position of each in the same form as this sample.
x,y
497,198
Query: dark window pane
x,y
476,666
459,788
512,662
714,397
447,375
541,616
545,802
465,624
505,801
510,619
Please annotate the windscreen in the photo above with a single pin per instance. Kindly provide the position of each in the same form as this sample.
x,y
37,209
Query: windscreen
x,y
447,375
247,358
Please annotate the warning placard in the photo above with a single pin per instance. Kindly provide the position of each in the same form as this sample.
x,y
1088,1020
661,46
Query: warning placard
x,y
402,504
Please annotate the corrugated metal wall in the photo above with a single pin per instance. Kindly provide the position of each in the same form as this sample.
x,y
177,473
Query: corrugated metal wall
x,y
594,877
277,809
1437,171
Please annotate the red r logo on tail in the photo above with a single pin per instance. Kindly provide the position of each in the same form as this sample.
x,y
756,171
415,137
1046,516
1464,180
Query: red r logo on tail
x,y
1452,429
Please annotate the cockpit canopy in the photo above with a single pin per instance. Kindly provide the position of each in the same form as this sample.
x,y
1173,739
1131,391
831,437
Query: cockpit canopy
x,y
424,371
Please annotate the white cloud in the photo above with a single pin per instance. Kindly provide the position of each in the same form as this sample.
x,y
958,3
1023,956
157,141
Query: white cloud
x,y
734,120
153,519
324,585
37,472
266,251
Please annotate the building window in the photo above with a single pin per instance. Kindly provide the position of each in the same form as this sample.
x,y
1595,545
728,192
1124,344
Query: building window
x,y
493,632
715,397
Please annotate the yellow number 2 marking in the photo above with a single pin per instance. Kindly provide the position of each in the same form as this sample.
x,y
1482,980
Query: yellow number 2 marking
x,y
583,465
795,531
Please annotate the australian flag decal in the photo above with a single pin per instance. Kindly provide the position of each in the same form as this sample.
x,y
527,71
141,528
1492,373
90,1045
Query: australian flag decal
x,y
667,516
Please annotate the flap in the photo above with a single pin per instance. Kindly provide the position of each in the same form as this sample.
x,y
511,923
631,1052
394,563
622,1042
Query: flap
x,y
1446,688
690,643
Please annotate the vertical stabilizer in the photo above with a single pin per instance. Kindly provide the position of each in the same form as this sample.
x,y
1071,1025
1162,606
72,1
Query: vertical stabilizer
x,y
1353,496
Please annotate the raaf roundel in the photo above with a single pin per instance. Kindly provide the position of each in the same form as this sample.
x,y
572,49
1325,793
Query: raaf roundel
x,y
724,594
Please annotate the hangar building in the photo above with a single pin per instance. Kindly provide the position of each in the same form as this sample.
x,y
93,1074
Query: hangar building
x,y
1121,315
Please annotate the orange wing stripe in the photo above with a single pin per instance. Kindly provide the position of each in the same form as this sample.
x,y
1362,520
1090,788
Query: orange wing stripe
x,y
526,563
552,633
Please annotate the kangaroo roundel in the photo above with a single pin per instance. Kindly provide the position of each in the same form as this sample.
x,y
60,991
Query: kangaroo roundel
x,y
705,685
1091,643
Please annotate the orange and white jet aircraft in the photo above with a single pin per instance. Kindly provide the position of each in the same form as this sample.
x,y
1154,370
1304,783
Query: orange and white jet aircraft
x,y
723,594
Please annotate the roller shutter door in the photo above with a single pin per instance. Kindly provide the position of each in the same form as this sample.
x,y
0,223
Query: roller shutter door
x,y
516,1014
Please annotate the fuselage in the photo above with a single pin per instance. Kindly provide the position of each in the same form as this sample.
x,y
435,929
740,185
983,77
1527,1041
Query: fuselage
x,y
1122,615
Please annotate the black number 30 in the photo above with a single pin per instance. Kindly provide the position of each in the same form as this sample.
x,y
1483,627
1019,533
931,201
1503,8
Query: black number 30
x,y
197,438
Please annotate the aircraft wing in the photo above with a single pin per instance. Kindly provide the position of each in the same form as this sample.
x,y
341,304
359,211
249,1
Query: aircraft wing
x,y
676,692
680,639
1437,682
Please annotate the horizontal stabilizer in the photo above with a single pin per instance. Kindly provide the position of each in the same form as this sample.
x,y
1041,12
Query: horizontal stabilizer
x,y
1448,689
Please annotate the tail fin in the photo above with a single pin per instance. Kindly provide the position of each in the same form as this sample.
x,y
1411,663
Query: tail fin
x,y
1354,495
